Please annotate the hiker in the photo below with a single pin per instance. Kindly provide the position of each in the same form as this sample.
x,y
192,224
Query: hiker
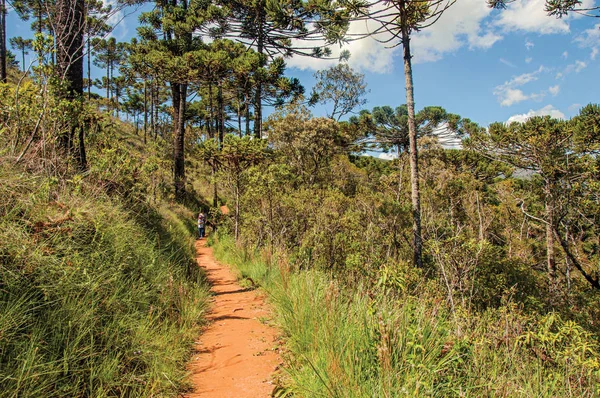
x,y
201,224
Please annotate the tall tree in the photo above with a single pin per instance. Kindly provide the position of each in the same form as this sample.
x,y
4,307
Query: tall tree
x,y
168,35
399,19
69,27
541,145
283,28
23,45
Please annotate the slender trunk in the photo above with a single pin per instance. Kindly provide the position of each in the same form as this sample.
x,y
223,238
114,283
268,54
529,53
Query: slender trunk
x,y
211,127
550,256
215,192
414,156
89,67
221,114
108,81
239,116
82,158
260,49
179,103
145,112
3,52
152,109
237,207
247,100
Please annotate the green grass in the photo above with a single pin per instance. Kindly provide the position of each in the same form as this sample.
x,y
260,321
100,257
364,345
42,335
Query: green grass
x,y
95,299
356,341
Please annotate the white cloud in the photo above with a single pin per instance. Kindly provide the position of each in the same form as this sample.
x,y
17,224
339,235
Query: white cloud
x,y
590,39
461,25
512,96
565,54
387,156
577,67
507,63
574,108
554,90
528,60
509,92
529,16
529,45
547,110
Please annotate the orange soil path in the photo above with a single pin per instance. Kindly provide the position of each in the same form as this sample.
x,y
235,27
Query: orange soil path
x,y
236,356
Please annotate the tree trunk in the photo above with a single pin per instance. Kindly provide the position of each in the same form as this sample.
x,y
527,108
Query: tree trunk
x,y
239,115
70,25
3,52
414,156
89,68
237,208
145,112
179,103
260,11
247,114
550,255
221,114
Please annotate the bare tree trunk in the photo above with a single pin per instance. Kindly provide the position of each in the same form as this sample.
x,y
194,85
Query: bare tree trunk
x,y
89,68
70,24
145,111
179,104
237,208
221,114
259,49
414,156
550,255
3,52
247,113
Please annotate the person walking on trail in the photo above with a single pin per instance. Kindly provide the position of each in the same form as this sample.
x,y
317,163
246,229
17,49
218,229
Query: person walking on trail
x,y
201,224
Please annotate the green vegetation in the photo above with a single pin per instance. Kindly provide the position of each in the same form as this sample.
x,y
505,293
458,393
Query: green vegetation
x,y
443,272
361,341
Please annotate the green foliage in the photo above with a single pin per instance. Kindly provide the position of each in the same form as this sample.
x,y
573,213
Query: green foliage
x,y
96,300
364,341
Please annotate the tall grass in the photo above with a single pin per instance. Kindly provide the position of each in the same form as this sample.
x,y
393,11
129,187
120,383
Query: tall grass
x,y
357,341
95,300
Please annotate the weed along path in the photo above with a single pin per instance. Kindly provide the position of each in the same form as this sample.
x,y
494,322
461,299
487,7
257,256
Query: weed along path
x,y
235,356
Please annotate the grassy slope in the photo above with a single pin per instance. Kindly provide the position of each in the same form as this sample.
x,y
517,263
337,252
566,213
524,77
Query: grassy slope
x,y
342,342
99,291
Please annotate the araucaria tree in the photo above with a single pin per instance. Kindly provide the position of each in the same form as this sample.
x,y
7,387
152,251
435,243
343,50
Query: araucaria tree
x,y
398,20
171,50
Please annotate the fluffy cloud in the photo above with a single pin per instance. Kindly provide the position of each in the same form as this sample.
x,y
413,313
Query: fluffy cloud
x,y
528,60
529,16
554,90
509,92
547,110
387,156
590,39
461,25
577,67
565,55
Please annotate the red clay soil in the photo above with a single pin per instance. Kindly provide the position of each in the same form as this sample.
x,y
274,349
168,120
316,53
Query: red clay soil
x,y
236,356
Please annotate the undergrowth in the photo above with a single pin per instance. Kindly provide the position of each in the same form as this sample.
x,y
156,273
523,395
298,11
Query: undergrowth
x,y
96,300
360,341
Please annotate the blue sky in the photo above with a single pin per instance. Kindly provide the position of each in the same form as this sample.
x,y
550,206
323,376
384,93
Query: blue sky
x,y
487,65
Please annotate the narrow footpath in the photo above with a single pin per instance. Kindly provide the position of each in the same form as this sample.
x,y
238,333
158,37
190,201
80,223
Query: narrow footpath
x,y
236,354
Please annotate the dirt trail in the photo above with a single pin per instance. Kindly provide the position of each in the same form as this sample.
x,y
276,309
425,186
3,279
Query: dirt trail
x,y
235,355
